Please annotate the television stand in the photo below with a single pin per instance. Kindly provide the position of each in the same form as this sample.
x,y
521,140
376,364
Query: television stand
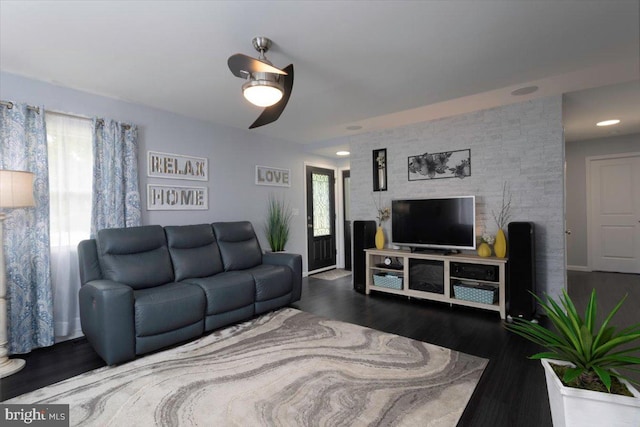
x,y
457,279
435,251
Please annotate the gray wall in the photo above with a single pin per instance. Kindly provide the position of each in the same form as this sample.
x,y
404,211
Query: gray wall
x,y
521,144
576,155
232,153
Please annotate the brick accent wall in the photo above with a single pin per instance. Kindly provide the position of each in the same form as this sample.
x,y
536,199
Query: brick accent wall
x,y
521,144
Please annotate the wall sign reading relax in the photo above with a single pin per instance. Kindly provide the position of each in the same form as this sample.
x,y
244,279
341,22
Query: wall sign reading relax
x,y
266,175
174,198
176,166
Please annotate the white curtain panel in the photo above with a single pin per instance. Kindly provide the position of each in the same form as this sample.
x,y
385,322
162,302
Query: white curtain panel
x,y
70,177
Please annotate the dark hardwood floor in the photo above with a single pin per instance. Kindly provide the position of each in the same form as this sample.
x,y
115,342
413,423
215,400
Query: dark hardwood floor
x,y
511,392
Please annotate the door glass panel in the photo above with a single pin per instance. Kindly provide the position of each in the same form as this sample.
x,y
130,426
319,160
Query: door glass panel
x,y
321,206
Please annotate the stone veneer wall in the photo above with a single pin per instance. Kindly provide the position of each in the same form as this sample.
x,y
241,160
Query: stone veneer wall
x,y
521,144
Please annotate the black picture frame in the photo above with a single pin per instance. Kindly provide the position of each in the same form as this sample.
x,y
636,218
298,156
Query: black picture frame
x,y
448,164
380,170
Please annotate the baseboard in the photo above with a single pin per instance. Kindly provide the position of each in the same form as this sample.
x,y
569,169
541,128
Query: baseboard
x,y
579,268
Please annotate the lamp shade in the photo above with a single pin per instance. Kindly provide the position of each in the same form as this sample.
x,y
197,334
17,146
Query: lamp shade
x,y
16,189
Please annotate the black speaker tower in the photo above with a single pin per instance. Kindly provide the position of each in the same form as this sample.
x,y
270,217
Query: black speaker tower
x,y
363,237
521,270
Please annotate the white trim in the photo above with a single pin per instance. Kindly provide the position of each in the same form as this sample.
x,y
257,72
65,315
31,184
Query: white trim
x,y
320,270
579,268
588,160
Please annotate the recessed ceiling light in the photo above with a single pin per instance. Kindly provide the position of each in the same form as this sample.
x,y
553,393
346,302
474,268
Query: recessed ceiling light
x,y
343,153
608,122
524,90
354,127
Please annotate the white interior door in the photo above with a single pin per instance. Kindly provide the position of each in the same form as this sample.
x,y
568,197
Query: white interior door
x,y
614,213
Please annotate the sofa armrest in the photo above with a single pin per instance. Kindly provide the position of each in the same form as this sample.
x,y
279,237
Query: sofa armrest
x,y
294,262
106,315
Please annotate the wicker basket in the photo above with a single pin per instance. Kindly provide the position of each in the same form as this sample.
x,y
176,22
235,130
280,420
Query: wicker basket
x,y
387,281
476,292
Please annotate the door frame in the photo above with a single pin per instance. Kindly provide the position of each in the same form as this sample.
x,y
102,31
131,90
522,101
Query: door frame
x,y
342,254
590,220
338,207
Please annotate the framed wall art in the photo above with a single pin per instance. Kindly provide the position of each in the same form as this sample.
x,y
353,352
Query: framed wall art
x,y
275,177
449,164
380,170
176,198
177,166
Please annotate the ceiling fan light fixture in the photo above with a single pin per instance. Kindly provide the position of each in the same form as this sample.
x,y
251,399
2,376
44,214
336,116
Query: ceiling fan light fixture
x,y
608,122
262,93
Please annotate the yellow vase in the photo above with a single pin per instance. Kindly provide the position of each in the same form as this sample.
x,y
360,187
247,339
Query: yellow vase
x,y
484,250
500,246
380,238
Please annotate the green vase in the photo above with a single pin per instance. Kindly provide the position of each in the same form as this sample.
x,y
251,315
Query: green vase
x,y
380,238
500,246
484,250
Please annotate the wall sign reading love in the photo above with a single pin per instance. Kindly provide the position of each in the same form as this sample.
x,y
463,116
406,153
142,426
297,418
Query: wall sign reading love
x,y
276,177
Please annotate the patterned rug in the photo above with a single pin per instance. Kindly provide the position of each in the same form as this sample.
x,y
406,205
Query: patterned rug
x,y
332,274
286,368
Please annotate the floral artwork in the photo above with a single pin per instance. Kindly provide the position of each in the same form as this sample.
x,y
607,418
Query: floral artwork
x,y
449,164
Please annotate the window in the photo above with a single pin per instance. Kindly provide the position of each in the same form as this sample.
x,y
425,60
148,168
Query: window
x,y
70,185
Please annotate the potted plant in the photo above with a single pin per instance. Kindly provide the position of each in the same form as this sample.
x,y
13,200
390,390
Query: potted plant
x,y
587,357
278,223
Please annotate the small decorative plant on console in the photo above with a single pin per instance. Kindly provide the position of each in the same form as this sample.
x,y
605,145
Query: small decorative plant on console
x,y
502,219
585,357
484,248
278,223
384,213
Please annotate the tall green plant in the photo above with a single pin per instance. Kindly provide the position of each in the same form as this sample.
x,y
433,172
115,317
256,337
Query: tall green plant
x,y
278,223
595,351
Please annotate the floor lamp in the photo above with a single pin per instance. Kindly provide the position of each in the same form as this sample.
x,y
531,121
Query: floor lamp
x,y
16,191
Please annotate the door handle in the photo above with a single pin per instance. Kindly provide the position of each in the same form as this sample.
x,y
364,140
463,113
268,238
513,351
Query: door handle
x,y
568,232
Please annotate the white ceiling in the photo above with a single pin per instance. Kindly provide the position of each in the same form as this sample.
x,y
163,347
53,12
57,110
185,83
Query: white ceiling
x,y
373,64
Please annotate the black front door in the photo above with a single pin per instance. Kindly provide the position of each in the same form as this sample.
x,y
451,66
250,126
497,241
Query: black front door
x,y
321,214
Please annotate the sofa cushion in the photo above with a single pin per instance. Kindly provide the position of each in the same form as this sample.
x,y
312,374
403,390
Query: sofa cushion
x,y
226,291
238,245
135,256
272,281
193,250
167,307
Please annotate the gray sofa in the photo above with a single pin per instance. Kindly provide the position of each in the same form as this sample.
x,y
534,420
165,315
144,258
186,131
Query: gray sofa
x,y
145,288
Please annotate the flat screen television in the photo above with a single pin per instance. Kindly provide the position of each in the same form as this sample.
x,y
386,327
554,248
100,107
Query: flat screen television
x,y
447,223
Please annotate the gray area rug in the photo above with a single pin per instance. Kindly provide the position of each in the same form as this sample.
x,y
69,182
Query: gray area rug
x,y
287,368
332,274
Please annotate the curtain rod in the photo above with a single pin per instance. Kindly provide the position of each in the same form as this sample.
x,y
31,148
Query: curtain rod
x,y
10,105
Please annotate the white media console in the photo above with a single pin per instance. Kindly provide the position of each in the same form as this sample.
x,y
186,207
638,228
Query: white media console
x,y
460,279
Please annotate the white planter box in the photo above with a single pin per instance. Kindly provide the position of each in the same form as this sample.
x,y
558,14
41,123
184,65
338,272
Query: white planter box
x,y
572,407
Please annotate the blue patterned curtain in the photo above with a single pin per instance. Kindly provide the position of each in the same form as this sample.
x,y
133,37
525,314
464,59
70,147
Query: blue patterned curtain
x,y
116,198
23,146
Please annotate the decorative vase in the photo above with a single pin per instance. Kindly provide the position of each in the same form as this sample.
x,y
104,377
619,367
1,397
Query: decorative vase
x,y
500,246
380,238
484,250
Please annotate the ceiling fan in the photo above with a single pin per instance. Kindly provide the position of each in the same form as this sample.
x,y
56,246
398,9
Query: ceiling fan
x,y
266,86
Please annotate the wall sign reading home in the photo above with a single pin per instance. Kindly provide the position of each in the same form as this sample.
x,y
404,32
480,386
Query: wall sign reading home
x,y
176,166
174,198
449,164
276,177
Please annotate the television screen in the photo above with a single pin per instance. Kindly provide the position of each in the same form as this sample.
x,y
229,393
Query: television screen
x,y
439,223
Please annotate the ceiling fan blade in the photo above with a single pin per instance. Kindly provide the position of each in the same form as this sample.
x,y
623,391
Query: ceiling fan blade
x,y
271,114
239,63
